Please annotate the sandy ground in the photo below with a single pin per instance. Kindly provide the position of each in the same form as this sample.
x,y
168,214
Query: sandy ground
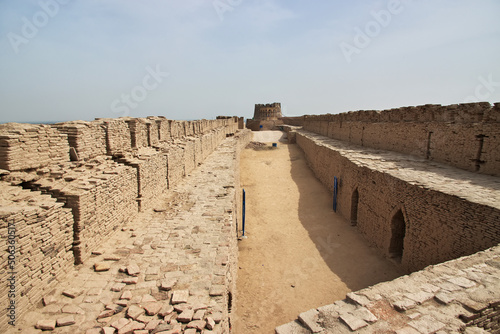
x,y
269,136
299,254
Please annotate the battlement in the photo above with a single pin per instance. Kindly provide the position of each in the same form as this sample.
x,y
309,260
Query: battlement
x,y
267,112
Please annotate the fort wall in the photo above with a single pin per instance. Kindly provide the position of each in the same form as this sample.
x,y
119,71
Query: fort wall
x,y
418,214
67,186
466,136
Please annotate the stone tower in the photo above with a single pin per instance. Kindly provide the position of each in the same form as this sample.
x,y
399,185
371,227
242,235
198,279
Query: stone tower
x,y
267,112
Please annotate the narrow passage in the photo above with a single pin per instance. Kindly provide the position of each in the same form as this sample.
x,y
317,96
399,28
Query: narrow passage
x,y
299,254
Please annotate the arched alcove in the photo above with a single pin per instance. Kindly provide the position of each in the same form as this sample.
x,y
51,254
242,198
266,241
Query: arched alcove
x,y
398,231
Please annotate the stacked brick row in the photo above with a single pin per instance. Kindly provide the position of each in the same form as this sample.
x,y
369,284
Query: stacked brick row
x,y
151,170
88,139
101,193
27,146
41,234
448,213
424,131
118,138
139,134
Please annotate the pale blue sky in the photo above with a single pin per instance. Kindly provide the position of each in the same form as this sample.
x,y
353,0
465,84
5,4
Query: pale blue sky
x,y
74,59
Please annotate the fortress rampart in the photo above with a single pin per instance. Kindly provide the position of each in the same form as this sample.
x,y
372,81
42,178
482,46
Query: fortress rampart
x,y
65,187
466,136
267,112
421,185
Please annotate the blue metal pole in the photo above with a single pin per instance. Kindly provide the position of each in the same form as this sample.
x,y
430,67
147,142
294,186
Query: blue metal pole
x,y
243,212
335,189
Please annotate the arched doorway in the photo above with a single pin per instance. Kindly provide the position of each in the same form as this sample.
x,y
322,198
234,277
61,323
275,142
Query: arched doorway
x,y
398,231
354,207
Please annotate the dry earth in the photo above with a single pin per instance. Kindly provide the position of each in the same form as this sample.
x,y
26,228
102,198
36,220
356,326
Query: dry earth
x,y
299,254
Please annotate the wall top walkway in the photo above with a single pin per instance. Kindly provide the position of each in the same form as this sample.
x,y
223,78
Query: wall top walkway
x,y
461,295
476,188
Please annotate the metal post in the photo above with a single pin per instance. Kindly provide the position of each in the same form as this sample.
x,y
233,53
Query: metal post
x,y
243,220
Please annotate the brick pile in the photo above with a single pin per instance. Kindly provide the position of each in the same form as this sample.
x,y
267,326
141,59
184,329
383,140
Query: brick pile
x,y
43,232
27,146
88,139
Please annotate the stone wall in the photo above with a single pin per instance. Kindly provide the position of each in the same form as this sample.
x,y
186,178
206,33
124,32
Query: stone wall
x,y
466,136
413,211
36,235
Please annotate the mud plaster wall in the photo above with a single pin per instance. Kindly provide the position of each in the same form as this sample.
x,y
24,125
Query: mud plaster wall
x,y
466,136
439,227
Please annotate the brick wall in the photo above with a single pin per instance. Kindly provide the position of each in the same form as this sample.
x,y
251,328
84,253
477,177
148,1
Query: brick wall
x,y
88,139
27,146
466,136
41,232
440,224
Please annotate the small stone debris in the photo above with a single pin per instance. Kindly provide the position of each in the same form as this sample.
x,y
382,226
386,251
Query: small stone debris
x,y
101,266
131,327
72,293
152,308
133,269
353,322
66,321
49,300
108,330
197,324
131,280
127,294
210,323
112,258
217,290
180,296
117,287
167,285
46,325
186,316
134,312
105,314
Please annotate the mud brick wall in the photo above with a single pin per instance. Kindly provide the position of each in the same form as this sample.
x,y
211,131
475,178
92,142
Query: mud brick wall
x,y
42,235
118,139
151,171
176,129
175,163
87,138
153,132
466,136
26,146
189,155
138,132
107,204
438,226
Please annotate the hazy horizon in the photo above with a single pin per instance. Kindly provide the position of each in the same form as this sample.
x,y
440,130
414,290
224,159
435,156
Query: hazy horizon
x,y
66,60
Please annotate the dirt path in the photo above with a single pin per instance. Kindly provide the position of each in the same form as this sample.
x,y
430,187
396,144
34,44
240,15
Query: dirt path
x,y
299,254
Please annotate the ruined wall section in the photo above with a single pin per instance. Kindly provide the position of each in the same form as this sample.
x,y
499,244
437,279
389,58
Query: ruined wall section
x,y
41,234
28,146
87,139
447,212
466,136
101,193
